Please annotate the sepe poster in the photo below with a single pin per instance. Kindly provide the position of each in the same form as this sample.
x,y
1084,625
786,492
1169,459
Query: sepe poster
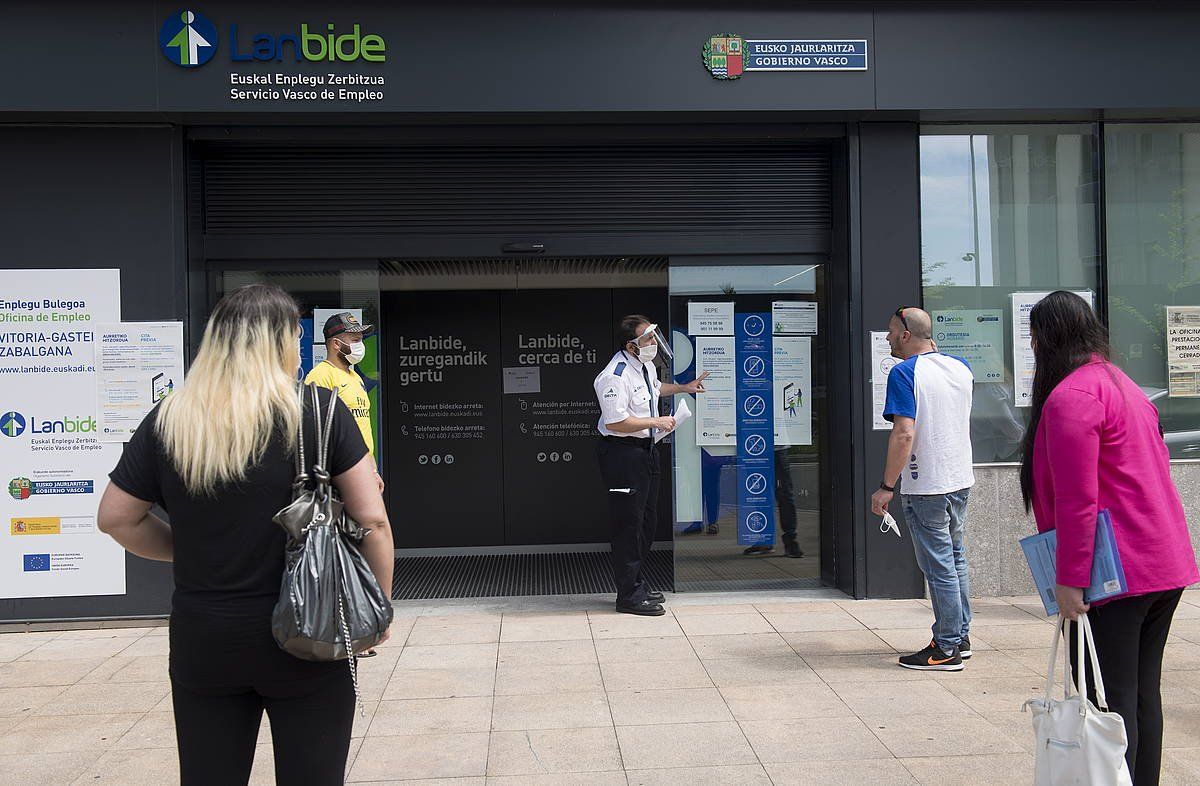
x,y
53,461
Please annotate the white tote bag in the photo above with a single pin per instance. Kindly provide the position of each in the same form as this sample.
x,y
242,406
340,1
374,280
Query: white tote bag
x,y
1076,742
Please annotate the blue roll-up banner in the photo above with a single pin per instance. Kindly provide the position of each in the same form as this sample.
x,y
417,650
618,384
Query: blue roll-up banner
x,y
755,430
306,345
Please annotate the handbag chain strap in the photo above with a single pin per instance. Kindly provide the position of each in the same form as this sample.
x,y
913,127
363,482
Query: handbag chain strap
x,y
324,433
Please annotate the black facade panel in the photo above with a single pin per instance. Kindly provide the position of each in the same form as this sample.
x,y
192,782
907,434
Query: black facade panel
x,y
1074,55
890,251
99,198
683,188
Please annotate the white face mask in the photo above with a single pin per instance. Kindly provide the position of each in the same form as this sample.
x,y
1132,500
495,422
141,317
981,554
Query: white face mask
x,y
355,352
648,353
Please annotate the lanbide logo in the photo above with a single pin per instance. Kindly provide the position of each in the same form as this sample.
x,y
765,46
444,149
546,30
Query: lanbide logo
x,y
12,424
188,39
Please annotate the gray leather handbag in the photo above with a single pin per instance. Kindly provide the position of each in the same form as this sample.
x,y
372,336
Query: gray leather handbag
x,y
330,604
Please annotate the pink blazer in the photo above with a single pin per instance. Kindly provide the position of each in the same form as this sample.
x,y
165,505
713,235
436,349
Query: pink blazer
x,y
1098,446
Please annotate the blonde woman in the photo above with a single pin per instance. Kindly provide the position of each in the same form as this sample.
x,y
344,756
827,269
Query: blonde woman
x,y
218,455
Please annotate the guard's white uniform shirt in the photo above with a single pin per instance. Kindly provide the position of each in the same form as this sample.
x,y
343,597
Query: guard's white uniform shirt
x,y
621,391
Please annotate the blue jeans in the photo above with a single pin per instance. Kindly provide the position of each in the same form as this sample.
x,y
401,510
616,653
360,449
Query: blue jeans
x,y
937,523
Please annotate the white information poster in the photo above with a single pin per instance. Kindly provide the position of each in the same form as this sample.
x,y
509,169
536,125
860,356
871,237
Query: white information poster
x,y
792,318
52,459
710,319
320,315
138,364
716,408
792,372
976,336
1023,360
1183,351
881,365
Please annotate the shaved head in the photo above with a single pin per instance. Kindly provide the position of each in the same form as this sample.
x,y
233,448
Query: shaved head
x,y
920,324
910,332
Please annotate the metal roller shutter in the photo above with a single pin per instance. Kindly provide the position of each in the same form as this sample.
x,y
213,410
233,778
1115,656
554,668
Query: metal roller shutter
x,y
761,189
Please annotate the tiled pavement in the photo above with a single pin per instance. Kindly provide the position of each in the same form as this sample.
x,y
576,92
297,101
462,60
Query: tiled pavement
x,y
729,689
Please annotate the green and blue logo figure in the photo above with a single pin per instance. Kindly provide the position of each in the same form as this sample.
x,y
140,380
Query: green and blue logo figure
x,y
188,39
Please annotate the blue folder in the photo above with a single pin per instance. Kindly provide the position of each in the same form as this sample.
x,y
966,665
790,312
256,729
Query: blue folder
x,y
1108,577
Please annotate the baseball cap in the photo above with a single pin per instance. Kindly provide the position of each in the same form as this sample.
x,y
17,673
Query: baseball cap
x,y
345,322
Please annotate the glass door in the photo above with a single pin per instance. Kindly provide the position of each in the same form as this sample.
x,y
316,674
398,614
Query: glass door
x,y
749,462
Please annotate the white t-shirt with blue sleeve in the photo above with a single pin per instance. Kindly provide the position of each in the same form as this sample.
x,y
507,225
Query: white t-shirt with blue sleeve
x,y
935,391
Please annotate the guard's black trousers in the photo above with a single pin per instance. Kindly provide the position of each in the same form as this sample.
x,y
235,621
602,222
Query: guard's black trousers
x,y
631,473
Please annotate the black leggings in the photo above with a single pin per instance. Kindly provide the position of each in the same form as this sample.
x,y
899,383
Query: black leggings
x,y
224,674
1130,636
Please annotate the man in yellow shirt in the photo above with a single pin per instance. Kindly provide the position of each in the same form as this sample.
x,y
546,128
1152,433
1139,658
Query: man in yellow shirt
x,y
344,336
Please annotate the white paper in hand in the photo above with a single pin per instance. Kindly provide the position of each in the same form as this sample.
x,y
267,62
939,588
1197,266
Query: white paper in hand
x,y
682,413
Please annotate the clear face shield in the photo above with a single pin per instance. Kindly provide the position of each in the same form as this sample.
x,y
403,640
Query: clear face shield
x,y
656,337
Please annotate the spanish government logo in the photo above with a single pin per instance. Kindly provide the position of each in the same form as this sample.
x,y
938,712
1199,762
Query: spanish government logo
x,y
723,55
12,424
188,39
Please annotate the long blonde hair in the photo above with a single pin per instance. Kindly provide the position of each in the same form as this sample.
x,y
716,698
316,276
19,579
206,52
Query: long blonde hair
x,y
240,389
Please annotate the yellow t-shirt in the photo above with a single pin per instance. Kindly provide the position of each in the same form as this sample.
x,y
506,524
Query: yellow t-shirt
x,y
350,390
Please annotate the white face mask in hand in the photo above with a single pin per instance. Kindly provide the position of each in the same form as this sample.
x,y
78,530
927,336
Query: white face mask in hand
x,y
889,523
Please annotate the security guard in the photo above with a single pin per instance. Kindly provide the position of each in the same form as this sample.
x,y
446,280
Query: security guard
x,y
628,390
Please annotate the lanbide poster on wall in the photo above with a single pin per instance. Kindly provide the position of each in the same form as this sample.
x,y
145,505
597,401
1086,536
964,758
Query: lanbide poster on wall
x,y
51,457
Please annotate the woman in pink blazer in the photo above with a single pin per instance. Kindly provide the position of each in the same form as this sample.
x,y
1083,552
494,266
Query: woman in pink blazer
x,y
1094,443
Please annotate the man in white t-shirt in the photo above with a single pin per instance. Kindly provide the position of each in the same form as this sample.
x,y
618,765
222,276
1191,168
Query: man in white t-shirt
x,y
929,451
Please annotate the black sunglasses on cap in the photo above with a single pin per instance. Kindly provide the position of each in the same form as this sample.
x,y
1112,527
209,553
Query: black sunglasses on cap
x,y
900,316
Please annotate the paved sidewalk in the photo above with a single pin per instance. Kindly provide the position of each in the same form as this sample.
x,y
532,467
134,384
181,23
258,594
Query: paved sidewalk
x,y
728,689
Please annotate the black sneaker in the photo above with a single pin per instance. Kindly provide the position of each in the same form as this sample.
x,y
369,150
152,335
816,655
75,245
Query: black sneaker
x,y
756,551
646,608
712,529
933,658
792,549
964,649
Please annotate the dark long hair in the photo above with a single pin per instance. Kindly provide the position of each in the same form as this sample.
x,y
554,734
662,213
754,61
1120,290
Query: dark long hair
x,y
1068,334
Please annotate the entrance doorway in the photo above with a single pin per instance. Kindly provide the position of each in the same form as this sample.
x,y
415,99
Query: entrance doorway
x,y
491,417
496,272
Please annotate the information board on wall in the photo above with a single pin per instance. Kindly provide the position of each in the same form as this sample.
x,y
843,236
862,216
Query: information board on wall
x,y
882,363
792,381
714,410
53,460
976,336
1024,364
1183,351
138,364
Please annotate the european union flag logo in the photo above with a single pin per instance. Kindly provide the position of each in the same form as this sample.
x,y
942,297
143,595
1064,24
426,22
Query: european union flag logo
x,y
36,563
